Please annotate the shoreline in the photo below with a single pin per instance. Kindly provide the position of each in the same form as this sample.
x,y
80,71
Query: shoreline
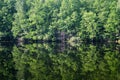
x,y
58,41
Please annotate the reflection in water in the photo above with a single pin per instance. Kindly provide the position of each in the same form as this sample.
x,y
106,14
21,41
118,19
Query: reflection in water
x,y
60,62
7,71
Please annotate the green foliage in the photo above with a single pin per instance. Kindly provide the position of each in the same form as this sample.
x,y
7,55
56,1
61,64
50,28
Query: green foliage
x,y
6,18
88,26
59,61
90,20
19,25
53,61
6,63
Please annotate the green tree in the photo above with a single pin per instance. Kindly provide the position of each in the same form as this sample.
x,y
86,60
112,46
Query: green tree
x,y
96,20
118,15
88,26
112,23
69,16
20,23
6,18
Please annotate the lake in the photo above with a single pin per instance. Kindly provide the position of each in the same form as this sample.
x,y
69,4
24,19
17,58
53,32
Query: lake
x,y
59,61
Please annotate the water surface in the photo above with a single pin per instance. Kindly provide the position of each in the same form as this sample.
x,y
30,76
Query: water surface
x,y
59,61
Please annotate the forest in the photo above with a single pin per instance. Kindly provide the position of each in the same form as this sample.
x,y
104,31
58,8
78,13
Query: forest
x,y
64,20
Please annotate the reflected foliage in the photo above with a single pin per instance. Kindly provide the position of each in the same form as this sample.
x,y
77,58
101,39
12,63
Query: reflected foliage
x,y
66,62
7,71
61,61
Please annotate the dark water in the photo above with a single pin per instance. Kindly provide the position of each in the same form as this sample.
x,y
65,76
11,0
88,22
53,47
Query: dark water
x,y
59,61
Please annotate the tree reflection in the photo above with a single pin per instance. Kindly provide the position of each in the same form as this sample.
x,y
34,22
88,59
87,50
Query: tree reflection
x,y
7,71
51,62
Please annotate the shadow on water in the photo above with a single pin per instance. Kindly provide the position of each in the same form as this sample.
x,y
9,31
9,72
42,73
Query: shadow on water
x,y
60,61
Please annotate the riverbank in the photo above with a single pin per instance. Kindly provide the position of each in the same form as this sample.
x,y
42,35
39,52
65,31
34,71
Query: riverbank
x,y
71,40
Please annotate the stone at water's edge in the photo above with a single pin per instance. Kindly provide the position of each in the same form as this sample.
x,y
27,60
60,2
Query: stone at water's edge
x,y
20,39
118,41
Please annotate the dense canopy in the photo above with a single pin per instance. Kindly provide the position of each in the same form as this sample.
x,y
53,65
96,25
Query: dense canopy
x,y
83,20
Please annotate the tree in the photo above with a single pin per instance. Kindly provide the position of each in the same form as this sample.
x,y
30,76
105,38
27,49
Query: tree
x,y
96,20
68,17
20,22
6,18
88,26
112,23
118,16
